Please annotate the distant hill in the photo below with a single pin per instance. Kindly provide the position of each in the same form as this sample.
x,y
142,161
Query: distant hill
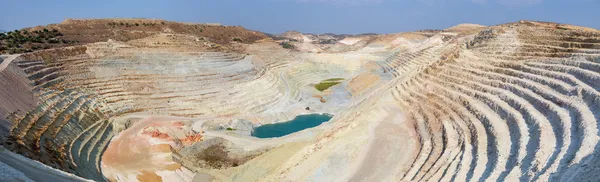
x,y
2,31
77,31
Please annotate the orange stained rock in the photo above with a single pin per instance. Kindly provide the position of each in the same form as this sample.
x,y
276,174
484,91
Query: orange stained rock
x,y
178,123
197,137
161,148
149,176
157,134
173,167
135,151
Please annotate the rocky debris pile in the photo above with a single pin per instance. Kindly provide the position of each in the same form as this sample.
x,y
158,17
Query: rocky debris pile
x,y
179,132
214,153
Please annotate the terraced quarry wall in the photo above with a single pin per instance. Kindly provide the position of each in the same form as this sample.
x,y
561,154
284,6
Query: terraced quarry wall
x,y
513,102
61,103
547,108
518,101
78,95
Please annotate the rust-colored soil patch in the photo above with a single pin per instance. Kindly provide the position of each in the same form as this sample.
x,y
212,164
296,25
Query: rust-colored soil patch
x,y
149,176
161,148
144,149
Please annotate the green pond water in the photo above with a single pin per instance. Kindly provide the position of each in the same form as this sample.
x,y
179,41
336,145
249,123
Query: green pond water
x,y
299,123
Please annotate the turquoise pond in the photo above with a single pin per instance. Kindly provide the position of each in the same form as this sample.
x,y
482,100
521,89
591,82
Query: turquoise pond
x,y
299,123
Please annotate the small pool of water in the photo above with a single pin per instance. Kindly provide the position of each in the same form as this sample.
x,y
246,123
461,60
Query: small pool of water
x,y
299,123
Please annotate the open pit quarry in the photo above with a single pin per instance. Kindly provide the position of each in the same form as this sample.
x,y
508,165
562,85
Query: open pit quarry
x,y
153,100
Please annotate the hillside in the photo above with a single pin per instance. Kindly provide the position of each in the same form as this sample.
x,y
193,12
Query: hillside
x,y
79,32
153,100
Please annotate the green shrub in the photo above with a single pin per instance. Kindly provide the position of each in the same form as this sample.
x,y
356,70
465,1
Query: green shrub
x,y
53,41
287,45
20,41
37,39
230,129
237,39
325,85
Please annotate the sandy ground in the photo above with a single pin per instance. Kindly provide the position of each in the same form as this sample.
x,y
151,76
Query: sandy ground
x,y
391,145
133,156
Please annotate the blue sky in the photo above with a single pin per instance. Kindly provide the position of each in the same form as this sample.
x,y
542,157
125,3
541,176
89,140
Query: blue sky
x,y
314,16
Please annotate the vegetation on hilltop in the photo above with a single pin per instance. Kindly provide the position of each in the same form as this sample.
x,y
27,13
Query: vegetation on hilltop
x,y
71,32
98,30
21,41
